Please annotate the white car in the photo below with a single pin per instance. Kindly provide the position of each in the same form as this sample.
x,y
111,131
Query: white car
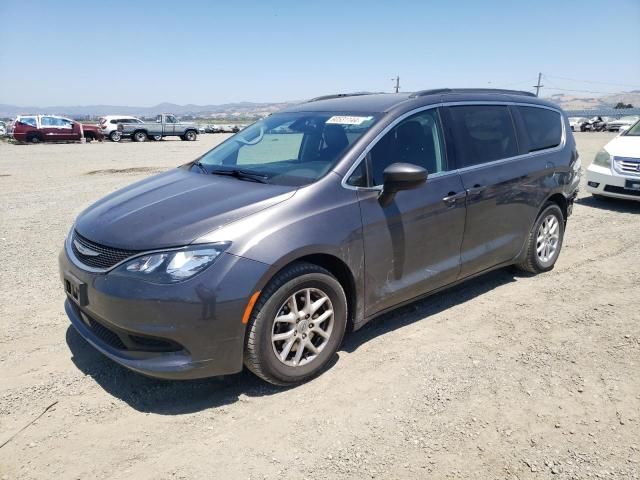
x,y
616,125
109,125
615,171
576,122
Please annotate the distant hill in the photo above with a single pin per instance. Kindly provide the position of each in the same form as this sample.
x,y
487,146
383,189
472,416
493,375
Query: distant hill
x,y
227,110
575,102
256,110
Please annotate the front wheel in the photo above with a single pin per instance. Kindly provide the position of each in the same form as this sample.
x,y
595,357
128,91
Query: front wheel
x,y
297,325
545,241
156,138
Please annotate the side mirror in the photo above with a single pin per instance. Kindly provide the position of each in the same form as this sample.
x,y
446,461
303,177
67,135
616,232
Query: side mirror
x,y
400,176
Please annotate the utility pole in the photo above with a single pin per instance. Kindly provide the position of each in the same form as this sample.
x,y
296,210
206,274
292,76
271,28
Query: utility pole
x,y
397,80
538,86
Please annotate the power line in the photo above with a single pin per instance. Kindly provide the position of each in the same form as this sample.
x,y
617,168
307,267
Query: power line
x,y
593,82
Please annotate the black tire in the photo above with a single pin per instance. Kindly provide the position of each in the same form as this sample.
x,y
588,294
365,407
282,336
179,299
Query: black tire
x,y
140,136
190,135
532,262
115,136
34,138
259,352
89,138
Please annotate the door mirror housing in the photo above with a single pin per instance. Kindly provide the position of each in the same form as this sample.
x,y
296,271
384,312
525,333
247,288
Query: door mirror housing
x,y
400,176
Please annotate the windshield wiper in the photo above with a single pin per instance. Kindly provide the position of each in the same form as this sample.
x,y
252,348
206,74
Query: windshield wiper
x,y
241,175
200,166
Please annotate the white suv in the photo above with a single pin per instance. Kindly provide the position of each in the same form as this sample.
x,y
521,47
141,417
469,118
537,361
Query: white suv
x,y
109,125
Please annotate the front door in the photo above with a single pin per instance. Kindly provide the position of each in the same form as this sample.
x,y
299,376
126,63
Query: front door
x,y
412,245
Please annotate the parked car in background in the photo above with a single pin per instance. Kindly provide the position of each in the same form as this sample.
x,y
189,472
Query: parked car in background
x,y
615,171
3,129
202,129
576,122
166,125
594,124
628,121
109,125
265,250
52,128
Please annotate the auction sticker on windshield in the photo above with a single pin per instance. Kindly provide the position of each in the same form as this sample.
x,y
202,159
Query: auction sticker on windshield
x,y
347,120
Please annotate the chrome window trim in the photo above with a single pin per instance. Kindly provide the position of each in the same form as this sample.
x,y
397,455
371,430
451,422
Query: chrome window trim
x,y
402,117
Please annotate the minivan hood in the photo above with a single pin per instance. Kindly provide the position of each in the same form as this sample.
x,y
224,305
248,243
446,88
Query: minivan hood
x,y
173,209
624,146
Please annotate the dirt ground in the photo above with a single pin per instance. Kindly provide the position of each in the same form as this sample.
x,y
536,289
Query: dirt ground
x,y
506,376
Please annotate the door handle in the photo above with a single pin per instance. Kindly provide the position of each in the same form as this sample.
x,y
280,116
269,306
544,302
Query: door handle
x,y
452,197
476,190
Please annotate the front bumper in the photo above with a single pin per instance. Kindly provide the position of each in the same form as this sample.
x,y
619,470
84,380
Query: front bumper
x,y
192,329
602,181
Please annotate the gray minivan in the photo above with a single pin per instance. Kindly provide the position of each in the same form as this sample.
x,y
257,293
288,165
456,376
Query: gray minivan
x,y
264,251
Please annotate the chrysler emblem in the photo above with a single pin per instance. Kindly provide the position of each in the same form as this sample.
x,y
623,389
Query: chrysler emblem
x,y
84,250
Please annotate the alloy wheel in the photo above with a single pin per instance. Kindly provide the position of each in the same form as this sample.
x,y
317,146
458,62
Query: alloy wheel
x,y
302,327
548,239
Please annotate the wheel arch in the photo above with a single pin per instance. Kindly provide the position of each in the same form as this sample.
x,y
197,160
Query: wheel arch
x,y
334,265
560,200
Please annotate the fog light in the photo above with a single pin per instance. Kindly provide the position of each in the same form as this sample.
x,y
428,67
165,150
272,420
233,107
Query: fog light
x,y
593,184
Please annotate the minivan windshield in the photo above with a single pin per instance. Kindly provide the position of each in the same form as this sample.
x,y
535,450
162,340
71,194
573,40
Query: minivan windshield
x,y
288,148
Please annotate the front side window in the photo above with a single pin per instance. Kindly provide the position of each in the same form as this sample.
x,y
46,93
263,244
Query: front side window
x,y
416,140
290,148
48,122
543,127
484,133
170,119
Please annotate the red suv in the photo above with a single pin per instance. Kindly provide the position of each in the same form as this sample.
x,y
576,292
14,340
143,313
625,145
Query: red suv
x,y
51,128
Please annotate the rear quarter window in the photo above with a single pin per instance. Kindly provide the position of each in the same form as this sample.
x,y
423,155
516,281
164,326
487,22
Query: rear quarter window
x,y
543,128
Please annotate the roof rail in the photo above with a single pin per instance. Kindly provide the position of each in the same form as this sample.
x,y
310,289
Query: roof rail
x,y
340,95
435,91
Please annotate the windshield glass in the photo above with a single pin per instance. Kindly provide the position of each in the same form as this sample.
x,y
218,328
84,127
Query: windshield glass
x,y
289,148
634,131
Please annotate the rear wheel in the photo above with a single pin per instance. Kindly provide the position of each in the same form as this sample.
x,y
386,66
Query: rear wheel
x,y
296,326
34,138
115,136
190,136
545,241
139,136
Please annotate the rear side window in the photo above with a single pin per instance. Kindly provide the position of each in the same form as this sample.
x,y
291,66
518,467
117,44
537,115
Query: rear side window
x,y
484,133
543,128
28,121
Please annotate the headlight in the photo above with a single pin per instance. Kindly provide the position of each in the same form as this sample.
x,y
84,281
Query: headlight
x,y
172,266
602,158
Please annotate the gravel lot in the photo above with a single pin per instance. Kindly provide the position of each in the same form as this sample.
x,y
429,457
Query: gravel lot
x,y
506,376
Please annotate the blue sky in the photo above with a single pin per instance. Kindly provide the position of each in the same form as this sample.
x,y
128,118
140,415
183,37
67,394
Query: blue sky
x,y
146,52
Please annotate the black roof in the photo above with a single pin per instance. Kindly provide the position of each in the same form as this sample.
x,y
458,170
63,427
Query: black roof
x,y
384,102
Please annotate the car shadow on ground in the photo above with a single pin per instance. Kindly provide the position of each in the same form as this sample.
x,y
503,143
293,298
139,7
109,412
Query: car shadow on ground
x,y
181,397
429,306
610,203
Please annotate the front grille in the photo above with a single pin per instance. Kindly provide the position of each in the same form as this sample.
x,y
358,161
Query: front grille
x,y
107,336
622,191
628,165
106,257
